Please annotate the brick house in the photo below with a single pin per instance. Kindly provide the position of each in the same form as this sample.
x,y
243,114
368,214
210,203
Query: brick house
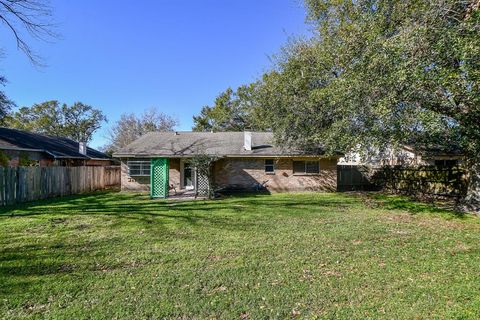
x,y
17,146
244,161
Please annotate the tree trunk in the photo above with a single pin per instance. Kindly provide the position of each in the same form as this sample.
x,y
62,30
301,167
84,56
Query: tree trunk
x,y
471,202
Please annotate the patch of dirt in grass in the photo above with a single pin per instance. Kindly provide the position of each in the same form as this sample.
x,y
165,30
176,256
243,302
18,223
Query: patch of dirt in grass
x,y
57,221
435,223
427,221
400,232
217,290
82,226
67,267
460,248
331,273
214,258
295,313
34,308
307,275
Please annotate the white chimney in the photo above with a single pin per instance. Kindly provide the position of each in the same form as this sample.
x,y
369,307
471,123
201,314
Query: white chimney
x,y
247,140
82,148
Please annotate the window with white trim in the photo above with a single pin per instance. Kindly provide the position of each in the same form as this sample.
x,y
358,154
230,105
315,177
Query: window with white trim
x,y
269,166
306,167
139,168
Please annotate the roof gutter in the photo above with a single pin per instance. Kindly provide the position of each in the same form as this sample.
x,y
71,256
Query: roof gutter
x,y
21,149
147,156
29,150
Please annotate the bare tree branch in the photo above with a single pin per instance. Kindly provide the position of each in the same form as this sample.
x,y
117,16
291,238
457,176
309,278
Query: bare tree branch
x,y
32,16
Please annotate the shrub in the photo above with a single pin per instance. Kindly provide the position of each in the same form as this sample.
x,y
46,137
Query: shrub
x,y
24,160
4,159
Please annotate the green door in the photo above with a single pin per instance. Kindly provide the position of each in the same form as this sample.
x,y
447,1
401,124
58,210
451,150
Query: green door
x,y
159,178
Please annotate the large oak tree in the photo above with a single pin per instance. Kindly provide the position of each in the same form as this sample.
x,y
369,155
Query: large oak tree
x,y
78,121
382,72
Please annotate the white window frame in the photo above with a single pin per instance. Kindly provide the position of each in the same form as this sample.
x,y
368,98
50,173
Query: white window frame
x,y
144,167
272,165
305,165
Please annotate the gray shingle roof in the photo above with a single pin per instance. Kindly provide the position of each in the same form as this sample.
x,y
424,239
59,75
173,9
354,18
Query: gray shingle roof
x,y
184,144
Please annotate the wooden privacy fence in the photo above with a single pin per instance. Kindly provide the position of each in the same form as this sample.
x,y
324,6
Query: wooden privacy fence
x,y
355,178
23,184
422,181
425,180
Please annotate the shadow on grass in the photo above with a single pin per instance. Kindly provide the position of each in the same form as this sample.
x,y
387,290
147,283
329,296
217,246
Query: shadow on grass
x,y
123,204
141,208
29,264
397,202
130,220
161,218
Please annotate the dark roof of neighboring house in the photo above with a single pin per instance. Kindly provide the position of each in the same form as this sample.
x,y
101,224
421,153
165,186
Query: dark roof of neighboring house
x,y
224,144
57,147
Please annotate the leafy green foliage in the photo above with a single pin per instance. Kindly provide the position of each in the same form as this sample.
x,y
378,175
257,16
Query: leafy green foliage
x,y
25,161
232,111
78,121
380,73
4,159
332,256
5,103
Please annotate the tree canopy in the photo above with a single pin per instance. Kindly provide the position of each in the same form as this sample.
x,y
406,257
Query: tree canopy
x,y
378,73
78,121
6,104
130,127
232,111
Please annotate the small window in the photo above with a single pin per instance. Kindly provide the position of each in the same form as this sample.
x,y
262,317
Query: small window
x,y
269,166
306,167
139,168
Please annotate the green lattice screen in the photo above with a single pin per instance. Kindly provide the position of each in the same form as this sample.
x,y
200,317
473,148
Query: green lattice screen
x,y
159,178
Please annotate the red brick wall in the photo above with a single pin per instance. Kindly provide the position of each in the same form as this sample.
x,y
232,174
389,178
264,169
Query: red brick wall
x,y
245,173
130,183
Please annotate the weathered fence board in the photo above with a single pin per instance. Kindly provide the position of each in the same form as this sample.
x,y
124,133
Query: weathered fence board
x,y
425,180
23,184
422,180
354,178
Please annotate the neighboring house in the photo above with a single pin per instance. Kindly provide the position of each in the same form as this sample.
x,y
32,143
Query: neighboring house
x,y
405,156
35,149
245,161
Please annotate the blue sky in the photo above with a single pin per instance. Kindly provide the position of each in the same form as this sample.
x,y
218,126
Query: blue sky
x,y
127,56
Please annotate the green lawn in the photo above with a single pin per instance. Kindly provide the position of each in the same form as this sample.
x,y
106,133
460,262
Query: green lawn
x,y
115,255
